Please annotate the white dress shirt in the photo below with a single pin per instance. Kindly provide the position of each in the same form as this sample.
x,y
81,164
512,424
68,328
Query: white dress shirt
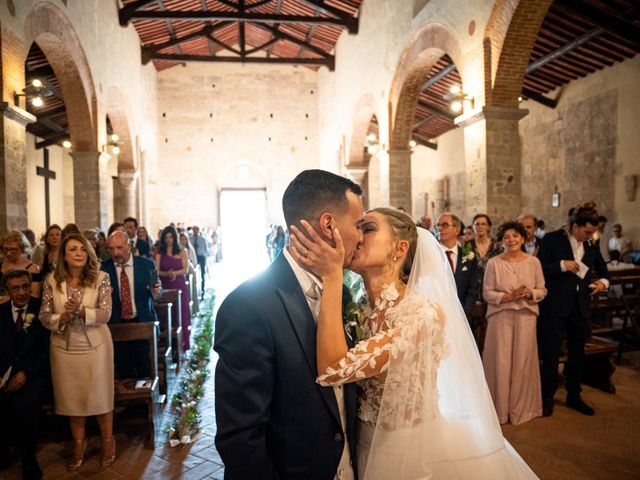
x,y
578,254
312,288
128,270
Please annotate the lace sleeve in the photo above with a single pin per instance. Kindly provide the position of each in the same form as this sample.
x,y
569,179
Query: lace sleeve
x,y
48,317
101,313
367,359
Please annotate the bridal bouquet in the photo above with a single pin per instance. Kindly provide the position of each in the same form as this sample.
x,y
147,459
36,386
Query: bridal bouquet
x,y
353,306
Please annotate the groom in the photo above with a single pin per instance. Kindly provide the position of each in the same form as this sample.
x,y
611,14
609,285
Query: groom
x,y
274,421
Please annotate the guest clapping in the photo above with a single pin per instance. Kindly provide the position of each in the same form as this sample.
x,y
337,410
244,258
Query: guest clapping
x,y
76,307
513,286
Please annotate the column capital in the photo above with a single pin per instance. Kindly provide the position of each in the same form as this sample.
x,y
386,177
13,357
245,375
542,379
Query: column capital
x,y
127,178
494,113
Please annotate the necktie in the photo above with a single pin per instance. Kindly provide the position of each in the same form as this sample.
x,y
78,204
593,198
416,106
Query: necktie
x,y
125,295
449,253
19,321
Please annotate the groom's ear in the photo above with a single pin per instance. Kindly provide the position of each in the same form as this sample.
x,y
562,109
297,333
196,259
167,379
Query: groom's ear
x,y
326,224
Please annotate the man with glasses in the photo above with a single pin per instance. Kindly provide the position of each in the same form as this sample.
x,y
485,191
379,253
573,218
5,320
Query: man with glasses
x,y
24,371
463,265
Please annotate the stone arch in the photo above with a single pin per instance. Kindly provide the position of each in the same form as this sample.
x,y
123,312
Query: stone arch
x,y
422,52
509,38
364,111
119,112
47,25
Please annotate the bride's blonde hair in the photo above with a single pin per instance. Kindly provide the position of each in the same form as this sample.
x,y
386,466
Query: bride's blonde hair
x,y
405,229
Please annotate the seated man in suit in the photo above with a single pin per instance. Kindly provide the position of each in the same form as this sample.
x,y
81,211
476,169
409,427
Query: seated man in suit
x,y
138,246
24,347
464,266
135,284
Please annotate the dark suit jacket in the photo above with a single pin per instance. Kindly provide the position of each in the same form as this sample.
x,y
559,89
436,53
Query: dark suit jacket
x,y
143,248
25,351
274,420
562,286
466,284
142,268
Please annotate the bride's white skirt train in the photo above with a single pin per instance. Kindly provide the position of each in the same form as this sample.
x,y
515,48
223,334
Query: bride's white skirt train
x,y
446,460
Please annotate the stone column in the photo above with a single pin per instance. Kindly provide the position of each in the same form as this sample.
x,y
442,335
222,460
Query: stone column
x,y
400,179
493,160
126,202
90,183
13,166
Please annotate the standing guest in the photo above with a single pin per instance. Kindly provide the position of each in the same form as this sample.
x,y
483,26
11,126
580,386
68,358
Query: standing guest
x,y
565,255
52,238
13,245
620,242
513,285
116,226
528,221
33,244
138,246
602,238
269,241
24,347
143,235
483,245
278,241
76,306
464,265
193,261
172,264
102,252
70,228
540,231
469,234
132,301
201,246
425,222
91,234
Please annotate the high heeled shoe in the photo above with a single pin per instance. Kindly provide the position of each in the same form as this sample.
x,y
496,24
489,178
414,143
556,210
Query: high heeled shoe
x,y
79,447
108,452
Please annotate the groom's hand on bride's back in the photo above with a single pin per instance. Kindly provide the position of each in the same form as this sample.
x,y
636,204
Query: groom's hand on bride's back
x,y
314,253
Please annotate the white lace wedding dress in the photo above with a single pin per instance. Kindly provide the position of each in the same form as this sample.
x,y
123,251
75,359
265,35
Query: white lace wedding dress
x,y
424,411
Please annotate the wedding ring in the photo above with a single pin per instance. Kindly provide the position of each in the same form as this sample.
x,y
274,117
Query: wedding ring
x,y
306,253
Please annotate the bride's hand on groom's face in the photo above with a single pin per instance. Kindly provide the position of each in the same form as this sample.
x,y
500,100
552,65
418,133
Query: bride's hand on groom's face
x,y
314,253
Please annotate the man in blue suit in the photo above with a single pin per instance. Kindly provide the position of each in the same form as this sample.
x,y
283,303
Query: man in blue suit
x,y
135,284
138,246
274,421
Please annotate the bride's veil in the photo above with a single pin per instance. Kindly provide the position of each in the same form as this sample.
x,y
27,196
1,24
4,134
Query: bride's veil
x,y
436,418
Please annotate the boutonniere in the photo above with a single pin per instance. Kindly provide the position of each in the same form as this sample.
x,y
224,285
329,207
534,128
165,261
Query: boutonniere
x,y
467,253
464,268
28,320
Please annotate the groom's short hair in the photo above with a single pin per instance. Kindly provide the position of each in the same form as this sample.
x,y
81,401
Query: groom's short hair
x,y
314,192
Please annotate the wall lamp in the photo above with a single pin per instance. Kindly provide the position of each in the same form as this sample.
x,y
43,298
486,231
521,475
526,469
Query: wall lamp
x,y
457,99
34,92
114,142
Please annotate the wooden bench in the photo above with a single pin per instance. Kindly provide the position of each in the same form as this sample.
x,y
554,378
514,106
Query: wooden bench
x,y
125,389
174,298
166,367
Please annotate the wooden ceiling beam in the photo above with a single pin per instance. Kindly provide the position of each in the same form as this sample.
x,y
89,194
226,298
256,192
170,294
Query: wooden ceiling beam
x,y
257,4
205,32
425,143
612,23
209,16
264,46
438,111
321,6
438,76
423,122
124,15
581,40
52,139
285,36
537,97
51,113
220,59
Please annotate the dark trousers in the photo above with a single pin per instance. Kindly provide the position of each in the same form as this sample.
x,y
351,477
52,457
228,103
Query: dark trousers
x,y
132,359
202,261
552,330
19,413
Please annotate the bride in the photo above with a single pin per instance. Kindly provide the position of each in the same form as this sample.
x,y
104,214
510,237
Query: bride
x,y
424,410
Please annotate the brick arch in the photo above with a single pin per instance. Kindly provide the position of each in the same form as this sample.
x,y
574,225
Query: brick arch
x,y
119,112
509,38
364,111
423,50
47,26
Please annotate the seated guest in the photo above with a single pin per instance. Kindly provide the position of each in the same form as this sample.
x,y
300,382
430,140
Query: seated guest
x,y
116,226
76,306
513,285
619,242
52,238
132,299
613,265
464,265
70,228
602,238
102,252
13,245
24,347
529,222
138,246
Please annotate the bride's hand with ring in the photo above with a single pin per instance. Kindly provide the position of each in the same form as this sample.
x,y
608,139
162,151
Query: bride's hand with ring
x,y
314,253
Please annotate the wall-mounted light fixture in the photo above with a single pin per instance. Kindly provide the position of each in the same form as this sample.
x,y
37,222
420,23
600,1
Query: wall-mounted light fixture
x,y
34,93
458,100
114,142
372,144
67,144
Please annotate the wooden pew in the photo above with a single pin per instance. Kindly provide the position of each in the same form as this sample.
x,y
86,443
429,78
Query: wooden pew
x,y
174,298
125,389
166,367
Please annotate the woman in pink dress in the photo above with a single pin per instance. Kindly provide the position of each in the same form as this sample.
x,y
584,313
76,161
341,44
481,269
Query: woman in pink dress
x,y
172,265
513,287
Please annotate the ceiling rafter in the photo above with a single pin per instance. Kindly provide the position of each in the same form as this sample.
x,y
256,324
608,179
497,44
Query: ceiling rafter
x,y
203,58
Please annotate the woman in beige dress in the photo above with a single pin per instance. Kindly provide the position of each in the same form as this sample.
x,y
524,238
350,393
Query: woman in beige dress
x,y
76,307
513,287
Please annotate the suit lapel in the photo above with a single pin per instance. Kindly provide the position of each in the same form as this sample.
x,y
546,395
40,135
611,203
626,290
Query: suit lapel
x,y
303,324
10,328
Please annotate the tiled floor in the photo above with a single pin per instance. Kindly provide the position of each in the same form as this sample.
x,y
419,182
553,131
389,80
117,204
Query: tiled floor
x,y
565,446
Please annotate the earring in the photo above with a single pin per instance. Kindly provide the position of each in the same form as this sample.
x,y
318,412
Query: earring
x,y
395,258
